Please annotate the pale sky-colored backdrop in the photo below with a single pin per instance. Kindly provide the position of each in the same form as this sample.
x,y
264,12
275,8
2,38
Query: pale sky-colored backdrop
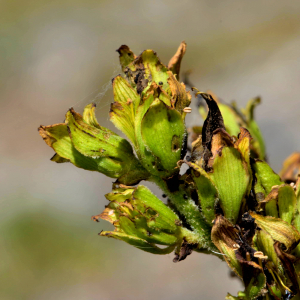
x,y
58,54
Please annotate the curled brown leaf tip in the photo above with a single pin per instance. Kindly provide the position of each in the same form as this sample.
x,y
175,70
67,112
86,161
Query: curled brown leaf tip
x,y
45,133
175,61
291,168
243,134
213,121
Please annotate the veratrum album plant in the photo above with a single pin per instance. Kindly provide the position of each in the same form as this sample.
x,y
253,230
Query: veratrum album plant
x,y
228,203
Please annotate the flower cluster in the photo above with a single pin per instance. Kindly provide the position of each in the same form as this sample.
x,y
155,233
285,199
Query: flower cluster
x,y
228,202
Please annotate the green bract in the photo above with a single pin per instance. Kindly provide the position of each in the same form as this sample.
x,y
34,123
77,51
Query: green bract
x,y
83,142
142,220
225,201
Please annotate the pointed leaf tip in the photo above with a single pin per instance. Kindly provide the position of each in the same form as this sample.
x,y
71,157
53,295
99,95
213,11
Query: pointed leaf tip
x,y
175,61
126,56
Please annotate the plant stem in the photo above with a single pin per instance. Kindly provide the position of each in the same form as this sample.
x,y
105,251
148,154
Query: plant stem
x,y
187,207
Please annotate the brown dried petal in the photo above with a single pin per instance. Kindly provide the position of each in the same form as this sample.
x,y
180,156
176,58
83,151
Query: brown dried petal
x,y
224,231
180,97
175,61
224,236
291,168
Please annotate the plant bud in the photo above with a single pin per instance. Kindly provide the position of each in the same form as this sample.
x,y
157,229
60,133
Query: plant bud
x,y
228,176
150,108
142,220
162,132
83,142
123,110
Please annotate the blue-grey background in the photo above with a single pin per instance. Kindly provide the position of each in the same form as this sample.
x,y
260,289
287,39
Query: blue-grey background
x,y
58,54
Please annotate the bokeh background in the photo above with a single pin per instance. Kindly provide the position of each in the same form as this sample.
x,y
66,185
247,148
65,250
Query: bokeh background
x,y
61,53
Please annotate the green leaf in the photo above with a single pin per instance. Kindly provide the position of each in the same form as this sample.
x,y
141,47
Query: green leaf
x,y
252,126
139,213
126,56
230,119
265,243
123,110
95,142
89,116
57,137
272,208
287,203
271,202
138,242
279,230
120,195
142,109
166,219
99,143
232,179
155,71
146,69
267,177
207,192
275,291
93,147
259,190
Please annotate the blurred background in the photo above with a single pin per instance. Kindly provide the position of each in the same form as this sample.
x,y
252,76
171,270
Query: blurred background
x,y
59,54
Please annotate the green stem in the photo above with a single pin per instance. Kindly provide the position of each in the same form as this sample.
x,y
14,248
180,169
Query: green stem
x,y
187,207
